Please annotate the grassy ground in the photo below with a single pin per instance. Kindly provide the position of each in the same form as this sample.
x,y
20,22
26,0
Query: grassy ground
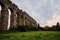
x,y
36,35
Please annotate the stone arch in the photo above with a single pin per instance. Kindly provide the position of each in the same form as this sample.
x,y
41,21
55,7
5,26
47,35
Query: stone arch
x,y
19,17
5,5
13,20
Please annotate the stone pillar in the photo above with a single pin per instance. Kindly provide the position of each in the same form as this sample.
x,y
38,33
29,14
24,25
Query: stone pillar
x,y
0,18
28,23
25,19
4,18
13,22
18,19
22,20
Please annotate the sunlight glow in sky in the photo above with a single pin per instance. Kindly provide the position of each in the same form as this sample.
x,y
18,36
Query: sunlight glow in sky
x,y
45,12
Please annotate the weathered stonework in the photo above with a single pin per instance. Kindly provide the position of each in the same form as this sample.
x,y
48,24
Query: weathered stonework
x,y
17,18
27,20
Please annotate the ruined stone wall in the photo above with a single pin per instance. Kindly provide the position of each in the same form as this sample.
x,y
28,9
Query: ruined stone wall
x,y
17,18
27,20
4,14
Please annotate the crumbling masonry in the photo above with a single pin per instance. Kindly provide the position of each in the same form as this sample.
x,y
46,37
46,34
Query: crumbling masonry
x,y
18,17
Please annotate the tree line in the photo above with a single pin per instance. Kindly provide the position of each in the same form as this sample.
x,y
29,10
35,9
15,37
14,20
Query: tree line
x,y
53,27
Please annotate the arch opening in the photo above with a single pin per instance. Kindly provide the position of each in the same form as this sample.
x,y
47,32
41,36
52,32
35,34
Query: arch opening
x,y
9,18
0,7
0,11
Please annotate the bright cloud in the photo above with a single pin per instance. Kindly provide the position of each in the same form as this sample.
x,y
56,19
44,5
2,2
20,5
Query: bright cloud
x,y
54,20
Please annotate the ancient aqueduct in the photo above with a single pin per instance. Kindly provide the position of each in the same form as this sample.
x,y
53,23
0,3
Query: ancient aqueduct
x,y
18,17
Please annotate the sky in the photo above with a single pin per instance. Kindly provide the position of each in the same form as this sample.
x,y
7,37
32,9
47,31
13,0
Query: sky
x,y
45,12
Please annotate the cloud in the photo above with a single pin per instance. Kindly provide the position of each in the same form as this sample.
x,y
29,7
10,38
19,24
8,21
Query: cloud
x,y
54,20
43,11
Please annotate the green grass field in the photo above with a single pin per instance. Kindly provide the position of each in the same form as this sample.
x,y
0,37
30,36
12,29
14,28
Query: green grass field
x,y
36,35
